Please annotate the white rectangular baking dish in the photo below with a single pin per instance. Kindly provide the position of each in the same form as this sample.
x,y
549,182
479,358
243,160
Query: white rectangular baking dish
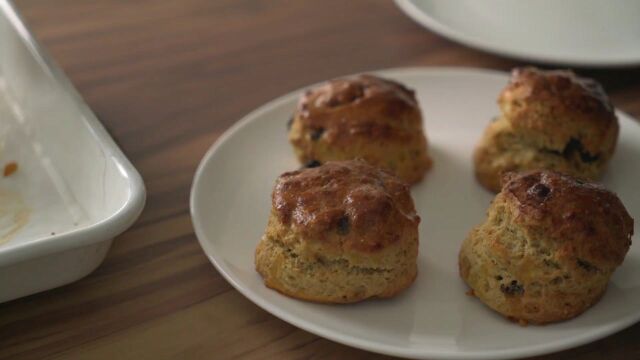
x,y
74,189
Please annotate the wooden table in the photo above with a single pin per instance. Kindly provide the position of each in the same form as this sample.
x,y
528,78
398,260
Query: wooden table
x,y
167,78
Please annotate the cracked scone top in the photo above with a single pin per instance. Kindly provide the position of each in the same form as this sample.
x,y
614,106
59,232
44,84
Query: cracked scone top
x,y
355,201
341,232
550,120
548,247
365,117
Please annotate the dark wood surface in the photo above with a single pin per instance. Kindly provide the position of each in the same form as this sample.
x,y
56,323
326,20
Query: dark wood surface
x,y
167,78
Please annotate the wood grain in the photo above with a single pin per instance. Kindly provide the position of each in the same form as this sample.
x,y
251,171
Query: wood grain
x,y
167,78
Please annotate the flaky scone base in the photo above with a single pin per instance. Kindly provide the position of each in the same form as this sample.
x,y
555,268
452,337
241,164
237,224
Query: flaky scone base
x,y
503,149
306,272
408,159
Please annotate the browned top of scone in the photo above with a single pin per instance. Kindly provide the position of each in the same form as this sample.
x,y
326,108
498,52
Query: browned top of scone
x,y
559,103
583,221
366,207
563,87
363,105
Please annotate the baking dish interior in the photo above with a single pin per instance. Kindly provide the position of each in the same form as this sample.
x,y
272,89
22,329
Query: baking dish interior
x,y
71,177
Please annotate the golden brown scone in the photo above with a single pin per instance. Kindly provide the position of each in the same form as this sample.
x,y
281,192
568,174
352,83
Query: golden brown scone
x,y
363,117
549,120
548,247
339,233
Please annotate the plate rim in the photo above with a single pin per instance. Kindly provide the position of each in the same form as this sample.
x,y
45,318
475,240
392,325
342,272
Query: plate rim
x,y
409,8
349,340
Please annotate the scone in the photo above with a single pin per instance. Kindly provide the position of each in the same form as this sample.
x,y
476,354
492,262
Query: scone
x,y
550,120
363,117
548,247
339,233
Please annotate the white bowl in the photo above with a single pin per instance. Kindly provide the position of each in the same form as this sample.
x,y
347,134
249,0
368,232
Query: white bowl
x,y
575,32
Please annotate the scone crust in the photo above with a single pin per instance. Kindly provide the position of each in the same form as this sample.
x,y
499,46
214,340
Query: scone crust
x,y
362,117
550,120
548,247
535,100
339,233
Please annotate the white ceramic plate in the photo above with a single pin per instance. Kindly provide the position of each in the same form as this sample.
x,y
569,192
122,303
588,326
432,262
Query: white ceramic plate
x,y
230,202
576,32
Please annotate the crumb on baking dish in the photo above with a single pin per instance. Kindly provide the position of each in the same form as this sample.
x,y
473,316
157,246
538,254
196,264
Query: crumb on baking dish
x,y
10,168
470,292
